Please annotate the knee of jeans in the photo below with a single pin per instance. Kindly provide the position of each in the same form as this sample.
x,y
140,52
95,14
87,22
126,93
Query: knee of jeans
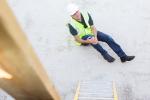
x,y
110,39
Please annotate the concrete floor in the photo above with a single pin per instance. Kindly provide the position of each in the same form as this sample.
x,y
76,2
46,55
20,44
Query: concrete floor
x,y
127,21
5,96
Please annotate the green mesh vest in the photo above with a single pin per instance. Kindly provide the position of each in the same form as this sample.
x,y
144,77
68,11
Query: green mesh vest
x,y
80,27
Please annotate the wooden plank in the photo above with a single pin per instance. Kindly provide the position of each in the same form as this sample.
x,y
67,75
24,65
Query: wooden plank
x,y
29,80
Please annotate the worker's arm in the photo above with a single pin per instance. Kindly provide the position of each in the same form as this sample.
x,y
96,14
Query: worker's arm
x,y
91,23
94,31
93,28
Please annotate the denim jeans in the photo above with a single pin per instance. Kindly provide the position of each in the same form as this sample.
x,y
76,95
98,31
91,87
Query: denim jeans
x,y
106,38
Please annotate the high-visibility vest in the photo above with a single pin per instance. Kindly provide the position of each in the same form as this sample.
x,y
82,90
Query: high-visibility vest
x,y
82,31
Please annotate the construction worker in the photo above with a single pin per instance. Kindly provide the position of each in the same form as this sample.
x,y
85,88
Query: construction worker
x,y
82,28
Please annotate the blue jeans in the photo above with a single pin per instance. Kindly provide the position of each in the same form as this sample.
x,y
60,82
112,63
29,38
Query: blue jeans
x,y
106,38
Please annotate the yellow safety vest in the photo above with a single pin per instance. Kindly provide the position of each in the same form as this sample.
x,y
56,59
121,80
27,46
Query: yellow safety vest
x,y
80,27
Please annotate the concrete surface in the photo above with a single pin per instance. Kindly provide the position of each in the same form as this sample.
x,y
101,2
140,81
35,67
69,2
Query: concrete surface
x,y
127,21
5,96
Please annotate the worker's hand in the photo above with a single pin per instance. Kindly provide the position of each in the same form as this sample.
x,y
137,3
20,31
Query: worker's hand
x,y
93,40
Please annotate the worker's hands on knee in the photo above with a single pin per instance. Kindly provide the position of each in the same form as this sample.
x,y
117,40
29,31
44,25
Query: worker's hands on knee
x,y
92,40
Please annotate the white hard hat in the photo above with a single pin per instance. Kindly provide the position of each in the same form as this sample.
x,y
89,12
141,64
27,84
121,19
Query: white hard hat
x,y
72,8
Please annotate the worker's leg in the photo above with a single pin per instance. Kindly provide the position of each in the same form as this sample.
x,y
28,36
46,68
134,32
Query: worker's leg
x,y
115,47
98,47
103,52
112,44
